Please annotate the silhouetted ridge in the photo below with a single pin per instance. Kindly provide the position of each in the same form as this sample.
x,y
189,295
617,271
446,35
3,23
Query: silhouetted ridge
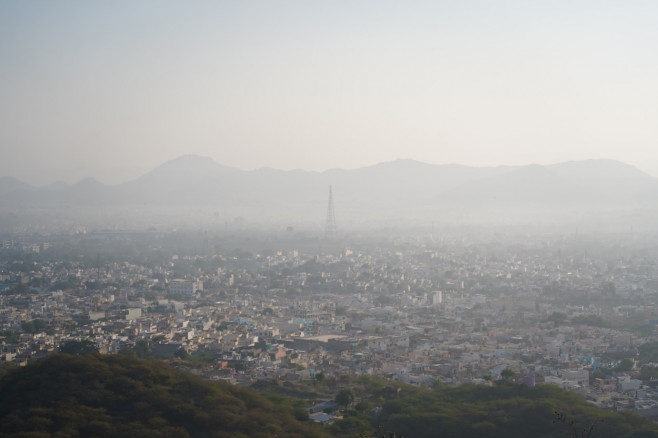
x,y
10,184
190,163
399,191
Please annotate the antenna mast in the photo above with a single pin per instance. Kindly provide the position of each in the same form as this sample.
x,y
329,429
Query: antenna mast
x,y
330,226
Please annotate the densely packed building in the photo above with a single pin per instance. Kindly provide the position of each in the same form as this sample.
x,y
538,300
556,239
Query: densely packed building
x,y
553,309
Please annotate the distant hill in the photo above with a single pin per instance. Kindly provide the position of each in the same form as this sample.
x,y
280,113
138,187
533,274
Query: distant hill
x,y
9,184
587,182
600,170
116,396
199,189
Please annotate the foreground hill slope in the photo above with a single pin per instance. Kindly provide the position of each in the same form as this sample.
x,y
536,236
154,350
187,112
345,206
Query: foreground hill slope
x,y
113,396
503,410
507,410
117,396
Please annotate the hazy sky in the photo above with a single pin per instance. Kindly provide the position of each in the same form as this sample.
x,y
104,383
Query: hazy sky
x,y
92,86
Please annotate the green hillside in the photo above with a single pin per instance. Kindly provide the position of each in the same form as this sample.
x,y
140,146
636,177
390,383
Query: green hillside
x,y
475,411
378,407
116,396
508,410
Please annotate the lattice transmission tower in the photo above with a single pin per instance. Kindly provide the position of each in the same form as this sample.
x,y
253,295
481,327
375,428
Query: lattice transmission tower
x,y
330,225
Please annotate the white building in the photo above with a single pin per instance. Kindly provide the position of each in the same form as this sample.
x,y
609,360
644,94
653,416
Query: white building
x,y
185,287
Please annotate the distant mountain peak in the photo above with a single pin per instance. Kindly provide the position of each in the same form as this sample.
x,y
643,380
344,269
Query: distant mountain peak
x,y
11,180
401,163
10,184
602,168
403,189
190,163
188,160
89,182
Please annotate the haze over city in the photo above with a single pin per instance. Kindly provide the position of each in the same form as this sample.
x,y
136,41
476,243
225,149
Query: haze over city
x,y
320,219
113,89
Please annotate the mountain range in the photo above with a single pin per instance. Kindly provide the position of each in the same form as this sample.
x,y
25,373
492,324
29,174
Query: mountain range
x,y
401,190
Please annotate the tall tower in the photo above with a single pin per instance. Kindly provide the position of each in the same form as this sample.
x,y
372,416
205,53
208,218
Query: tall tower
x,y
330,226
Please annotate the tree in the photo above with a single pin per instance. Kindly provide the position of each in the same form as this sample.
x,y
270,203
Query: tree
x,y
34,326
159,339
608,288
585,431
507,374
142,349
17,290
649,352
78,348
557,318
626,364
345,397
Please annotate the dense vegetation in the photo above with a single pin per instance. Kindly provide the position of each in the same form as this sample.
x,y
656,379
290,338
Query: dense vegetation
x,y
505,410
377,407
113,396
109,396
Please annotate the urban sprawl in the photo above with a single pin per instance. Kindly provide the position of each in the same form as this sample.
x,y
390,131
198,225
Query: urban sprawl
x,y
573,310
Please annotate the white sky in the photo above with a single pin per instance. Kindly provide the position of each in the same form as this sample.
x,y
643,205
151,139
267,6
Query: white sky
x,y
97,86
